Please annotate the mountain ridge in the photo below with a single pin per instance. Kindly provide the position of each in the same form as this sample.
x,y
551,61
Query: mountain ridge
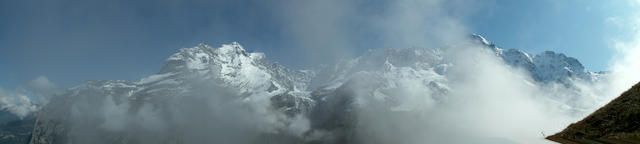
x,y
272,91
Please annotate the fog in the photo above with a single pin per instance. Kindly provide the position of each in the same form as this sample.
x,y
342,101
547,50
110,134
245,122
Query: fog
x,y
488,101
207,114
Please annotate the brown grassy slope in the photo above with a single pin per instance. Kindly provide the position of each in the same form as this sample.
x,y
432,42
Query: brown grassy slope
x,y
616,122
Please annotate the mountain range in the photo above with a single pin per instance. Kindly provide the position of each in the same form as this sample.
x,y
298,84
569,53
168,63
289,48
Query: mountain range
x,y
205,89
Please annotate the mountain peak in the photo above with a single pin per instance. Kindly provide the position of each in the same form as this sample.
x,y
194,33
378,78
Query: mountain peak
x,y
202,45
202,56
553,66
233,48
544,67
481,39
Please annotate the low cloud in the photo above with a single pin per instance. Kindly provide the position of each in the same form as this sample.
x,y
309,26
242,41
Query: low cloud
x,y
487,101
16,103
205,113
42,89
27,99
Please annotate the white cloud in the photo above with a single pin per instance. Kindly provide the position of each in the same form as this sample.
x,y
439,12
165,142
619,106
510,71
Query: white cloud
x,y
488,102
16,103
21,101
625,63
42,89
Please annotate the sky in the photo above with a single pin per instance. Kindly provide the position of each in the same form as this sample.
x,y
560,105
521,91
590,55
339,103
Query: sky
x,y
71,41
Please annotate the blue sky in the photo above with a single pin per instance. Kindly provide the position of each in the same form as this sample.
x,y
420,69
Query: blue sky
x,y
581,29
70,41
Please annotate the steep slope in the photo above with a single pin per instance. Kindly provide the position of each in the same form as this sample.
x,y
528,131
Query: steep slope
x,y
224,75
616,122
203,90
250,74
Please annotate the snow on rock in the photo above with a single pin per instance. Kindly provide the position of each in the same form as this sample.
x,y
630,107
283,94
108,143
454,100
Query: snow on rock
x,y
322,93
547,66
555,66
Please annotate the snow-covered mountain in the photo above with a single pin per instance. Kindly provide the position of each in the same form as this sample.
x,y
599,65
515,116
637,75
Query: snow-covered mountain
x,y
295,104
253,82
544,67
249,74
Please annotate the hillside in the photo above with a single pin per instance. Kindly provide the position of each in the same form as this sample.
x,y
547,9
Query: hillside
x,y
616,122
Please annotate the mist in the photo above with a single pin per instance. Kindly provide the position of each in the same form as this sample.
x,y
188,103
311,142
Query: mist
x,y
464,94
209,113
488,102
